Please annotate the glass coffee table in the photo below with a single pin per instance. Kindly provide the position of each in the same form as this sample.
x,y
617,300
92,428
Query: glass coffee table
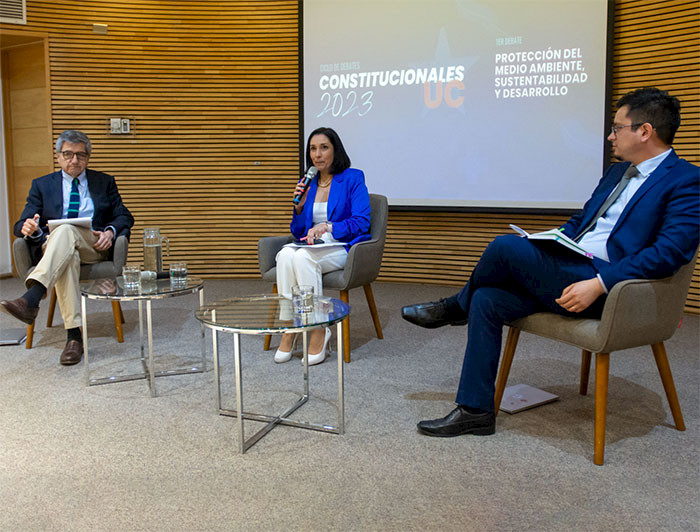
x,y
273,314
113,290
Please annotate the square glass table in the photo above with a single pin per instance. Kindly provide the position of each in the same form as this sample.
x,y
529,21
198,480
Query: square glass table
x,y
273,314
113,290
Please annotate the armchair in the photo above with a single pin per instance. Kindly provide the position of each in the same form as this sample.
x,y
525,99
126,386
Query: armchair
x,y
637,312
361,268
107,268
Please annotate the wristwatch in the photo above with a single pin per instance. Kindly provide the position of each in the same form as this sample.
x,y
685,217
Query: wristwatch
x,y
330,227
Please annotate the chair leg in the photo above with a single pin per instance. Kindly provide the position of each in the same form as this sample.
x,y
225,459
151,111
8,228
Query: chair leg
x,y
117,313
268,337
52,308
667,380
373,310
585,372
345,298
602,368
30,337
506,361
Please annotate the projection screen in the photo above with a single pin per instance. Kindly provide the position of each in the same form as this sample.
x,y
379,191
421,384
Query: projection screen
x,y
462,103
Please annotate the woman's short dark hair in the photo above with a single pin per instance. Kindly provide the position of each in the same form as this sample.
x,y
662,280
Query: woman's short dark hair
x,y
656,107
341,161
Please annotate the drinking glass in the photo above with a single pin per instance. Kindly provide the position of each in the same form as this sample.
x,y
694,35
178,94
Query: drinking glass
x,y
132,276
303,298
178,273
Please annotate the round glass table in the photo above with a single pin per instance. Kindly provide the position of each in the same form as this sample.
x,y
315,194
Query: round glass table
x,y
113,290
273,314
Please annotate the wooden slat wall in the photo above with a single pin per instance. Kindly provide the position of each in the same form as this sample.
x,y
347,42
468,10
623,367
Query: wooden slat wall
x,y
212,90
657,43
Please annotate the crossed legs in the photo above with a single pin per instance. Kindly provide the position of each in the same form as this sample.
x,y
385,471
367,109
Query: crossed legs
x,y
306,266
513,278
66,247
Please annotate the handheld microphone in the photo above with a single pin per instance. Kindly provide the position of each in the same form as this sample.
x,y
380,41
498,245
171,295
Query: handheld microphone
x,y
152,276
310,174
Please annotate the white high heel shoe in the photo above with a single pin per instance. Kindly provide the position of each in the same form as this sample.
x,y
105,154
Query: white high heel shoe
x,y
285,356
320,357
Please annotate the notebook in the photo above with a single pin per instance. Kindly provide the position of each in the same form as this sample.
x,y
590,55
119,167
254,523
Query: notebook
x,y
523,397
13,336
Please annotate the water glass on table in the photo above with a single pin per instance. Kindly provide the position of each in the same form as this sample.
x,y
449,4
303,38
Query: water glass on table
x,y
303,299
178,274
131,274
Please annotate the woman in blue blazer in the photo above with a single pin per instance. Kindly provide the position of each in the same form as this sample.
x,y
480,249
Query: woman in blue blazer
x,y
333,208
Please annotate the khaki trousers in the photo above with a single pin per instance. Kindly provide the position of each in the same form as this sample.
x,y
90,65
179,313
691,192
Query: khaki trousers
x,y
65,248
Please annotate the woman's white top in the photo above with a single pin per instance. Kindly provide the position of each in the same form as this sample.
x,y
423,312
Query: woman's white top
x,y
320,215
320,212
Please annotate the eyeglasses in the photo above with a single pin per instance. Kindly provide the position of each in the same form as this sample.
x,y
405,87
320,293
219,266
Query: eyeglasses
x,y
617,128
68,155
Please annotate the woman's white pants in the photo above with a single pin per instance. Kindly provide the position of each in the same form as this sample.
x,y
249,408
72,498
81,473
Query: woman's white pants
x,y
306,266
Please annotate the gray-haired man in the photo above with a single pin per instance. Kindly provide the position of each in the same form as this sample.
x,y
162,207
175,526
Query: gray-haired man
x,y
74,191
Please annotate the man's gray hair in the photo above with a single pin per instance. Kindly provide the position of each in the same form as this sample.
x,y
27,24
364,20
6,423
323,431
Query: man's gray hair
x,y
73,136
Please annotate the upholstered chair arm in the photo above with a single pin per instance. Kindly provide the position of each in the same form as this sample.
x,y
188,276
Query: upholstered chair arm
x,y
641,311
268,247
23,259
121,249
363,263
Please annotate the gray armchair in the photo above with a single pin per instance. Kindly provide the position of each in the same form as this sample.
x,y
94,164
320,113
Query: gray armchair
x,y
637,312
361,269
107,268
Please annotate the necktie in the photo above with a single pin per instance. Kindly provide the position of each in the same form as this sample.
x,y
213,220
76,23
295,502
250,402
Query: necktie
x,y
629,174
74,200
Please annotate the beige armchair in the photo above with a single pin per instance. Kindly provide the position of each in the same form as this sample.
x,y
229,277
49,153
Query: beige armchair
x,y
637,312
361,268
108,268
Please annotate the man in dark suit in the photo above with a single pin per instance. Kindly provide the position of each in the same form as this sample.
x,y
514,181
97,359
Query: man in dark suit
x,y
642,221
73,192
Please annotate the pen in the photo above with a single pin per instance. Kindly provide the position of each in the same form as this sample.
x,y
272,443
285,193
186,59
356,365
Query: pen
x,y
36,218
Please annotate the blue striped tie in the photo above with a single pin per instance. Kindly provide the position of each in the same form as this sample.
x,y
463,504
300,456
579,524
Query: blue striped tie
x,y
74,200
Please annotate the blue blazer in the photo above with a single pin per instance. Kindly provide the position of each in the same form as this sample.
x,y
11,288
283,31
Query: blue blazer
x,y
348,208
46,198
659,229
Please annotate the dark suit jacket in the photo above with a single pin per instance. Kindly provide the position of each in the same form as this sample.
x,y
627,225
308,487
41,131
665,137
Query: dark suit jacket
x,y
46,199
658,231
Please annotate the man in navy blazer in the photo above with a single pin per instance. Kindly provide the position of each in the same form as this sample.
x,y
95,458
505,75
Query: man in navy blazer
x,y
73,192
648,228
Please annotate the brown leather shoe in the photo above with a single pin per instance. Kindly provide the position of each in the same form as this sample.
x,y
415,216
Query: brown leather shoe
x,y
72,353
18,308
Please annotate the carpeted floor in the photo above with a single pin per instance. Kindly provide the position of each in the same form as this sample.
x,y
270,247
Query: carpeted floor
x,y
110,457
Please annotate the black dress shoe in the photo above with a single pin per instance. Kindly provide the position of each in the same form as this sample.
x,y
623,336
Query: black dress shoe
x,y
18,308
434,314
72,353
459,422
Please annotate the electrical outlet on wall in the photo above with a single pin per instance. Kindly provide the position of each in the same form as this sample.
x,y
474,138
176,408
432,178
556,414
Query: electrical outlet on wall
x,y
119,126
115,126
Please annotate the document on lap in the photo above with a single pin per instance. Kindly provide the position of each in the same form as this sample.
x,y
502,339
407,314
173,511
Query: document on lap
x,y
80,222
553,234
303,244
